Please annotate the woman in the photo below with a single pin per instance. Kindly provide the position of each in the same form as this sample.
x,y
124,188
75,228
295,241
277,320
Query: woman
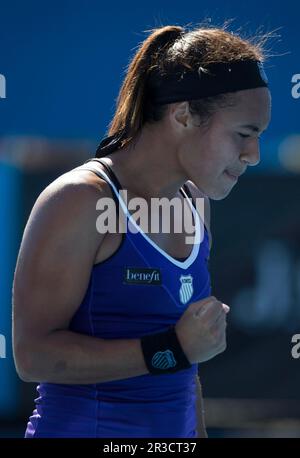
x,y
114,325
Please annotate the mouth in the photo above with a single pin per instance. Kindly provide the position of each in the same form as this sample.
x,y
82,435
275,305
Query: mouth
x,y
231,176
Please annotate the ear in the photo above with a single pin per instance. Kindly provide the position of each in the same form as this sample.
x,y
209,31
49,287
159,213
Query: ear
x,y
180,114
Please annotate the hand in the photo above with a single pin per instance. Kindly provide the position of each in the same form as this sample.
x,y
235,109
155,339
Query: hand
x,y
201,330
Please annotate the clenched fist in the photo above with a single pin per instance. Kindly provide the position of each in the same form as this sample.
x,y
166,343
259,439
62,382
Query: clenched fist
x,y
201,330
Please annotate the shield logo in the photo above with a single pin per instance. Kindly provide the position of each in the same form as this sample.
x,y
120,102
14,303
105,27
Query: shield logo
x,y
186,289
163,359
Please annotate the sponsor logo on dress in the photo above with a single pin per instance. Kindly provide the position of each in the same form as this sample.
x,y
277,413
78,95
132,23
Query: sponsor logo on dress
x,y
186,289
142,276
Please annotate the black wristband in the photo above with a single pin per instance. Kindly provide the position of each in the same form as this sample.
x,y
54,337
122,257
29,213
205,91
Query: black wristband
x,y
163,353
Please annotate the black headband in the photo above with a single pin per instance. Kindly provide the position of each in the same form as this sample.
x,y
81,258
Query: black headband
x,y
182,85
217,78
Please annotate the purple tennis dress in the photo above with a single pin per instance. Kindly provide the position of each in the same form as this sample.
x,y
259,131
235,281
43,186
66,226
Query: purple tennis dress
x,y
139,290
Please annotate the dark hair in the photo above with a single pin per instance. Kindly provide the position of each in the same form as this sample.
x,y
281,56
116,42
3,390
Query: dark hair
x,y
163,50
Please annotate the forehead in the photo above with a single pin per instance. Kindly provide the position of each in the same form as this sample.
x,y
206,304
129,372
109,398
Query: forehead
x,y
250,106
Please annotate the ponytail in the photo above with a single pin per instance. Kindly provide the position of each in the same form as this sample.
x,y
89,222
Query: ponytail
x,y
128,118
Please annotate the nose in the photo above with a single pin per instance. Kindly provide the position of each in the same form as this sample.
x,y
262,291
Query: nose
x,y
251,155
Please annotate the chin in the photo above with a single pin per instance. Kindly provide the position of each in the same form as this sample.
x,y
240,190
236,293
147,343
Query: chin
x,y
218,194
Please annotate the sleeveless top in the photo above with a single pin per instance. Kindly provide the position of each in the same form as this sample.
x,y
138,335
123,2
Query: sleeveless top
x,y
138,290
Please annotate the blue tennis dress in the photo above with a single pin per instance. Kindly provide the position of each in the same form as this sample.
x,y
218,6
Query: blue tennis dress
x,y
139,290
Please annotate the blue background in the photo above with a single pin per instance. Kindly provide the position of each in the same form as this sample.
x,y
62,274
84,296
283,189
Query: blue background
x,y
64,62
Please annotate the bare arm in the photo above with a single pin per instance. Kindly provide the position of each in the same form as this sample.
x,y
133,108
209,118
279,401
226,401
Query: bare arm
x,y
56,256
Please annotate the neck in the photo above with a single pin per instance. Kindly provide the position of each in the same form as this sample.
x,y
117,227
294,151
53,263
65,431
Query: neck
x,y
148,167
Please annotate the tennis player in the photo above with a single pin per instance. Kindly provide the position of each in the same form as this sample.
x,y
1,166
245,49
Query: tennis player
x,y
112,326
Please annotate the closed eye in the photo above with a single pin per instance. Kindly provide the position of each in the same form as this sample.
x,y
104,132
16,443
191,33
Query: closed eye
x,y
243,135
246,136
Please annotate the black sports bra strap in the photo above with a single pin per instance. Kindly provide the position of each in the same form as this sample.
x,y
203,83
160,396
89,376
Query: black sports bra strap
x,y
188,193
110,174
109,171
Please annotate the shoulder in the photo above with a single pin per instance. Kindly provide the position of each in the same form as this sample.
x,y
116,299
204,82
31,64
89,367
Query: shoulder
x,y
81,181
68,206
77,186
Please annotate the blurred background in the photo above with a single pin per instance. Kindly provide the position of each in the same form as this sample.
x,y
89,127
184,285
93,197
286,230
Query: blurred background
x,y
61,65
